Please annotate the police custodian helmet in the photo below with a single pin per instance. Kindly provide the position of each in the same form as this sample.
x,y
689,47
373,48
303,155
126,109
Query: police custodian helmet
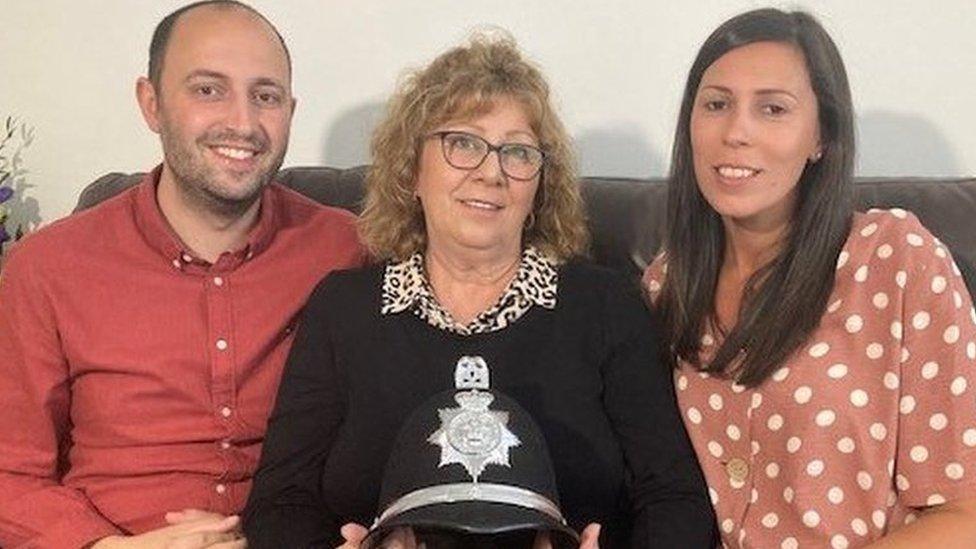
x,y
470,469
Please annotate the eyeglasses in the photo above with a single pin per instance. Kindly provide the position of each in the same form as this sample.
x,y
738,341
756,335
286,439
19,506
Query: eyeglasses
x,y
466,151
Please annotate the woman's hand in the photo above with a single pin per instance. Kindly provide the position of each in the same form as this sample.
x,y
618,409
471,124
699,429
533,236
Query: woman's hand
x,y
189,529
353,534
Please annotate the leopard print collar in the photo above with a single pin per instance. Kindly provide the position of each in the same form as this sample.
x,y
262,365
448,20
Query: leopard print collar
x,y
405,287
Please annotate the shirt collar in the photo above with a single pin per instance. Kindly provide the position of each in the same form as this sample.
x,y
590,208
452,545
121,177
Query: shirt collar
x,y
405,287
161,236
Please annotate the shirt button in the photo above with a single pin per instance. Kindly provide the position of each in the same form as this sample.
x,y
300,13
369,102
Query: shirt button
x,y
222,344
737,469
226,411
221,489
188,258
249,255
177,264
225,445
218,281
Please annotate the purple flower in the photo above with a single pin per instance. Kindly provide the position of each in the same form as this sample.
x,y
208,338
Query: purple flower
x,y
5,194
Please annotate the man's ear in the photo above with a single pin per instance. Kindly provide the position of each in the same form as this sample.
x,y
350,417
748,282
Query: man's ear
x,y
148,102
294,105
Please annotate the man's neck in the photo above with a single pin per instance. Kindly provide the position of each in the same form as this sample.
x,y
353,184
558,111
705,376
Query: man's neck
x,y
206,233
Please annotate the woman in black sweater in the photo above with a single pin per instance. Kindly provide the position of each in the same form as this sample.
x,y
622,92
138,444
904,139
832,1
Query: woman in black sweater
x,y
479,259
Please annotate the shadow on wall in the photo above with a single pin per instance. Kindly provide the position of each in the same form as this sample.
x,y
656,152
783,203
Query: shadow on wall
x,y
898,144
347,140
618,152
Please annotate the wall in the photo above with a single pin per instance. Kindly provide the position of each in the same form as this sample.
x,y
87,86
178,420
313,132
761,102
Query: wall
x,y
68,68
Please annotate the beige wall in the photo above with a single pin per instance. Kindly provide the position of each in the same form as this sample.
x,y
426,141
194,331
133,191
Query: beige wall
x,y
69,66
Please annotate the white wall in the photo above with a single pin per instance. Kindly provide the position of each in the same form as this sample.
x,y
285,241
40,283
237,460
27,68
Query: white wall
x,y
69,66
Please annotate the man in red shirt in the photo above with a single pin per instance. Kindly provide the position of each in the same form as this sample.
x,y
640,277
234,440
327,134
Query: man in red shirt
x,y
141,341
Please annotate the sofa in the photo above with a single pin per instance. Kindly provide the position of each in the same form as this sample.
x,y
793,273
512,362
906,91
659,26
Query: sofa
x,y
626,216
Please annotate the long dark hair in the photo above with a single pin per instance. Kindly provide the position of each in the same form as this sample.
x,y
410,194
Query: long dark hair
x,y
784,300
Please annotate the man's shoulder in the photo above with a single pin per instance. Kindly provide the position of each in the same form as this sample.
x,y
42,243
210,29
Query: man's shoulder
x,y
76,232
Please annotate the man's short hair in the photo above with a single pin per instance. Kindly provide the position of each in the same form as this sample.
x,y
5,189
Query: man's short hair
x,y
160,37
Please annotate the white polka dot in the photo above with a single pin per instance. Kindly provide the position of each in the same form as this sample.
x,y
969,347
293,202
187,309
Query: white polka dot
x,y
736,483
713,495
736,388
770,520
864,480
715,449
832,308
860,527
971,350
880,300
902,483
802,395
861,274
879,519
789,543
842,258
919,453
940,252
891,471
935,499
901,278
846,445
811,518
869,229
756,401
921,320
815,468
694,415
904,355
772,470
859,398
938,421
755,447
939,284
853,324
837,371
781,374
826,418
891,380
715,402
839,541
878,431
898,212
727,526
955,471
930,370
914,240
885,251
956,299
775,422
682,383
951,334
896,330
907,404
819,349
788,494
835,495
958,386
733,432
875,351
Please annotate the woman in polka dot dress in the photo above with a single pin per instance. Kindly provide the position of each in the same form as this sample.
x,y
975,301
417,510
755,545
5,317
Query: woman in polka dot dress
x,y
824,358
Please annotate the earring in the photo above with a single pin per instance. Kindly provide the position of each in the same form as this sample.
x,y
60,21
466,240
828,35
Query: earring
x,y
816,156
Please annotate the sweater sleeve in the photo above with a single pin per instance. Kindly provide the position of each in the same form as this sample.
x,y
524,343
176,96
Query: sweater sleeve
x,y
665,483
286,507
36,509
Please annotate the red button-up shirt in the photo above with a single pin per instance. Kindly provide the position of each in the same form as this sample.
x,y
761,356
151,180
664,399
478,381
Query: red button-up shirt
x,y
136,379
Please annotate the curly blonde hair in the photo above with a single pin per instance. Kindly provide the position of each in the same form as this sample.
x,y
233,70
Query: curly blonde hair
x,y
461,83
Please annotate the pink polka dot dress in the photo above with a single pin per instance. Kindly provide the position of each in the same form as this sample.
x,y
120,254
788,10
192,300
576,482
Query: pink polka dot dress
x,y
871,419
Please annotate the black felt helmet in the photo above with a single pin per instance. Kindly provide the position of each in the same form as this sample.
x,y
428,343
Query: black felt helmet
x,y
470,469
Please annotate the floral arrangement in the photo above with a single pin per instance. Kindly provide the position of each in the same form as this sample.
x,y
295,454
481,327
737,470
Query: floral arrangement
x,y
15,136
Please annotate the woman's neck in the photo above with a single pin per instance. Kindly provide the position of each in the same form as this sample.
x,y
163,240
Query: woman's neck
x,y
466,285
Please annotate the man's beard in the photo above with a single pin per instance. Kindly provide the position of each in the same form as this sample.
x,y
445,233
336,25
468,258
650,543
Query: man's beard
x,y
199,181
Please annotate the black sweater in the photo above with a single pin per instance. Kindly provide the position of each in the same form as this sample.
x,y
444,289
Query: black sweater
x,y
587,371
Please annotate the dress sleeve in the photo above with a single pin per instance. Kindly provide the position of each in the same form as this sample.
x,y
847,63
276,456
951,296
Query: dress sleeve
x,y
667,490
286,507
936,448
36,510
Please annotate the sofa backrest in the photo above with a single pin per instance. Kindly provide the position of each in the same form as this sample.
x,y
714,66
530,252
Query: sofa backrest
x,y
626,216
